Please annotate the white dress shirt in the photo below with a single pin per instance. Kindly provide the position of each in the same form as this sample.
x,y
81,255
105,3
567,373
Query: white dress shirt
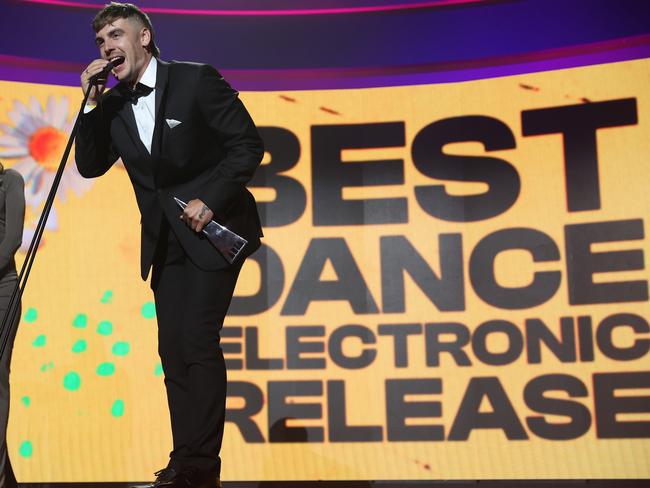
x,y
144,108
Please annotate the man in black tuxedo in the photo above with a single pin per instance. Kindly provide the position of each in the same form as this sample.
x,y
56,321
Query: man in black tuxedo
x,y
181,131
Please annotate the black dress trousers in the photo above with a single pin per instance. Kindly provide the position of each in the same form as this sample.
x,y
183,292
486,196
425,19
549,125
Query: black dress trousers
x,y
191,305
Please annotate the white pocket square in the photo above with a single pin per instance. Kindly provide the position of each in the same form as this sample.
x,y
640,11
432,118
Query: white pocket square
x,y
172,123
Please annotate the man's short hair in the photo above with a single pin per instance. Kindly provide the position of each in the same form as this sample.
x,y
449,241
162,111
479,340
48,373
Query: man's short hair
x,y
114,10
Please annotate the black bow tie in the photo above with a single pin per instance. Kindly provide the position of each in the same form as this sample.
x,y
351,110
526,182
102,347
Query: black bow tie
x,y
140,91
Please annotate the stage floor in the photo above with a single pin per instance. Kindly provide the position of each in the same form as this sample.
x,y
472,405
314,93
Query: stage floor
x,y
612,483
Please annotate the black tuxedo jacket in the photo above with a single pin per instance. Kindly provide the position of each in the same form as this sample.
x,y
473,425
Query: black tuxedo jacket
x,y
210,155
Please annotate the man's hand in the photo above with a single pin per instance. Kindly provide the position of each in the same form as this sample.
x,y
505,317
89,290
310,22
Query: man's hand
x,y
196,215
92,69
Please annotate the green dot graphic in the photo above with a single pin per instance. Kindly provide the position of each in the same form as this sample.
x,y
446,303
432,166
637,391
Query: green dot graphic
x,y
71,381
47,366
80,321
39,341
79,346
26,401
148,310
26,449
31,315
121,348
105,328
158,369
107,297
117,410
105,369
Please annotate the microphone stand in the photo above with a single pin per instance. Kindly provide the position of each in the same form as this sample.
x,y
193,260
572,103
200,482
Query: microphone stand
x,y
19,288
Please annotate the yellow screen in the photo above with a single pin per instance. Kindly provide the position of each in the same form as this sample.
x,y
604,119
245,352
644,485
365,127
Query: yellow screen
x,y
453,286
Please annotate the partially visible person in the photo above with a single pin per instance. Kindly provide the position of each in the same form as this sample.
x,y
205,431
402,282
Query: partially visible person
x,y
12,214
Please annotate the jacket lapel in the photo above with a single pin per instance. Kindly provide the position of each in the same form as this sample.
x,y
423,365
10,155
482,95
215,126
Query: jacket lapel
x,y
162,76
125,112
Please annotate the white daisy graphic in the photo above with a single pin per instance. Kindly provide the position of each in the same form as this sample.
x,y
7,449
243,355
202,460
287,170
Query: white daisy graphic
x,y
36,142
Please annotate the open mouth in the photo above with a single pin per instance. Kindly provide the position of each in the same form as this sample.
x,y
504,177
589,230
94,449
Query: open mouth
x,y
116,61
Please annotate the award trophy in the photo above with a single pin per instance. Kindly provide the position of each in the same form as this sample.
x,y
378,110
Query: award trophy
x,y
227,242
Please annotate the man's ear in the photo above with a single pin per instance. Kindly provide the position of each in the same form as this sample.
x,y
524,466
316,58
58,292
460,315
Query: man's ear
x,y
145,38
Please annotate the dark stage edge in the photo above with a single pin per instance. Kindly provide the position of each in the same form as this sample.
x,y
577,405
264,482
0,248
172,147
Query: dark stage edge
x,y
610,483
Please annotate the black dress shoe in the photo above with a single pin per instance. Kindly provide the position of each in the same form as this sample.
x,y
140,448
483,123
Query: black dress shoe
x,y
191,477
165,478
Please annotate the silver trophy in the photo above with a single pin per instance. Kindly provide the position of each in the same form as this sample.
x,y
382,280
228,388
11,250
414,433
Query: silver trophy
x,y
226,241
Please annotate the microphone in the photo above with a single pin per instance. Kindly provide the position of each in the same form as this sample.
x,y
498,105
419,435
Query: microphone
x,y
103,74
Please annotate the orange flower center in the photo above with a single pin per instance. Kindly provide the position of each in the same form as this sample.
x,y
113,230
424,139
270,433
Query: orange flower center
x,y
46,146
